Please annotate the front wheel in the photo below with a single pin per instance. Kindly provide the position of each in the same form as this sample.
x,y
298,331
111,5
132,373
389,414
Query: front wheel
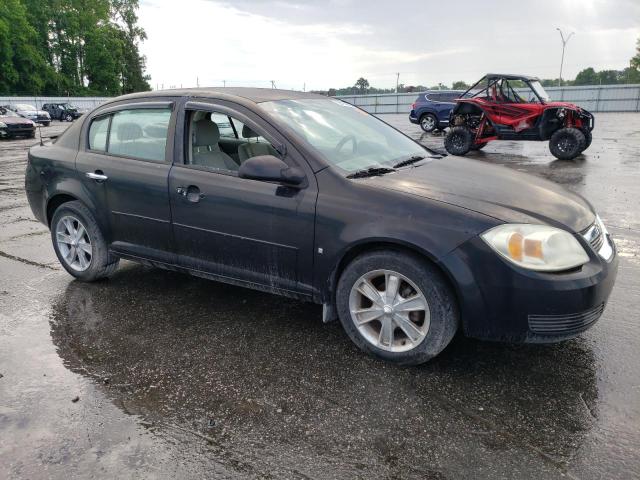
x,y
567,143
68,118
459,141
79,243
397,307
428,122
587,138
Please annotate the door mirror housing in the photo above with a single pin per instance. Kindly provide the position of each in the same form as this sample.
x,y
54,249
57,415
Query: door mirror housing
x,y
268,168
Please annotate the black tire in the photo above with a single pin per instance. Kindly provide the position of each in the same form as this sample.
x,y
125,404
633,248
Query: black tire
x,y
32,134
458,141
102,263
428,122
587,137
46,124
567,143
68,118
443,308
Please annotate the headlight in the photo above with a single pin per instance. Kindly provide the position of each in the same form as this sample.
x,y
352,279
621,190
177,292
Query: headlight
x,y
3,125
536,247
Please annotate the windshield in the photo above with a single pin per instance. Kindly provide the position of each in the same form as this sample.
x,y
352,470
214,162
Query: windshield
x,y
22,106
346,136
7,113
540,91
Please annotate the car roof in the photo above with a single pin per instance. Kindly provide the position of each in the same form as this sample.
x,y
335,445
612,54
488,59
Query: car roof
x,y
254,95
511,76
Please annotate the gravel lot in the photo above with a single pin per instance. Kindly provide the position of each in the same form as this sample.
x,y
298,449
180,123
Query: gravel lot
x,y
178,377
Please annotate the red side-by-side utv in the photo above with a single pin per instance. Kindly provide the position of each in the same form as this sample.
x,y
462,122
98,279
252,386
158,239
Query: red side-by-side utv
x,y
516,107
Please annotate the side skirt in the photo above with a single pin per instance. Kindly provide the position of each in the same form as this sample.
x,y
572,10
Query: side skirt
x,y
218,278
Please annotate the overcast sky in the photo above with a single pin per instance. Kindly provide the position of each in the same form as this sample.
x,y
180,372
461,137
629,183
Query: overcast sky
x,y
331,43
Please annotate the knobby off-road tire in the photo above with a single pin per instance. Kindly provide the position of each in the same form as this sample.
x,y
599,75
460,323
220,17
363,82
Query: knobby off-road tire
x,y
79,243
423,298
588,137
567,143
428,122
458,141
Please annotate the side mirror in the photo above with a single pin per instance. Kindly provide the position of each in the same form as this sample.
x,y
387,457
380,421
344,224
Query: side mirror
x,y
268,168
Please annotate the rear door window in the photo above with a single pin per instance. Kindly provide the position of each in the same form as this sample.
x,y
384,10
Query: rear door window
x,y
140,133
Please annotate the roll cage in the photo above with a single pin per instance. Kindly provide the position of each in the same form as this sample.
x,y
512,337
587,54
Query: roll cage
x,y
499,88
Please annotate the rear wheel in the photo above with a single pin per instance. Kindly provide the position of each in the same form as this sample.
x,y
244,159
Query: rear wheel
x,y
397,307
79,243
458,141
567,143
68,118
428,122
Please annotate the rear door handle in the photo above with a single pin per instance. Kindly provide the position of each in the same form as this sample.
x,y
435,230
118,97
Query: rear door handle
x,y
98,176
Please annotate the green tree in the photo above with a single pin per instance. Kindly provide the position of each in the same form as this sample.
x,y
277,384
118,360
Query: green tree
x,y
460,85
635,61
22,67
362,83
588,76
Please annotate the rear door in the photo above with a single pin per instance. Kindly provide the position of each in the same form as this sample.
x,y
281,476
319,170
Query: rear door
x,y
238,229
125,167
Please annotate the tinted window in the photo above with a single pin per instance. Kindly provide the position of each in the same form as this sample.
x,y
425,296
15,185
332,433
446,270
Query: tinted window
x,y
140,133
98,134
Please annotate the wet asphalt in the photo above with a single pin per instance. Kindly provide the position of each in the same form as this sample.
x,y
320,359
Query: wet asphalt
x,y
154,374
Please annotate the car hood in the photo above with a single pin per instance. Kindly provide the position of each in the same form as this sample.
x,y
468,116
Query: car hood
x,y
496,191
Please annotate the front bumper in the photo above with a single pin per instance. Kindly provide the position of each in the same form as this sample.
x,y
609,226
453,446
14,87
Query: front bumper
x,y
499,301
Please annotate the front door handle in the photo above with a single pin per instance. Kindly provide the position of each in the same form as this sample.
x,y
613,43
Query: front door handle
x,y
98,176
191,193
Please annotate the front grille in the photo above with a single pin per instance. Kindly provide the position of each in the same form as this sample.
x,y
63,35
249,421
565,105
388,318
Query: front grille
x,y
564,324
594,236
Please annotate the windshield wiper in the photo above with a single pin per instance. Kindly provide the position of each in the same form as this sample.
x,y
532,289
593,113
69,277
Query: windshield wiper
x,y
371,172
409,161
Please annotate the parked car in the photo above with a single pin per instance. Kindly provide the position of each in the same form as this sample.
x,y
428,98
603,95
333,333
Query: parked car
x,y
516,107
313,198
13,125
62,111
33,114
431,109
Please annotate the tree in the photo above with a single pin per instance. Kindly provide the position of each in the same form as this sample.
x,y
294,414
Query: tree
x,y
635,61
362,83
22,67
460,85
588,76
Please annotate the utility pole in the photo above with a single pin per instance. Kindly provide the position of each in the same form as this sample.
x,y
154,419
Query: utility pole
x,y
224,83
304,87
273,84
198,82
397,81
564,44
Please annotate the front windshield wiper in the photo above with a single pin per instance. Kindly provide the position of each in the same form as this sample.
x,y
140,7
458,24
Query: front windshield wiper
x,y
371,172
409,161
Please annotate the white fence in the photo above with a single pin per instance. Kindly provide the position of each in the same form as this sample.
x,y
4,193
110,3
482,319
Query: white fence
x,y
595,98
80,102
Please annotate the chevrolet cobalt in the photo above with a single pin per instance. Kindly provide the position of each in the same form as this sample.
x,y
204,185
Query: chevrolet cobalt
x,y
307,196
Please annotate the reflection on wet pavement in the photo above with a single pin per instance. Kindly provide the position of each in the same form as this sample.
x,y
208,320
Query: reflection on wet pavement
x,y
179,377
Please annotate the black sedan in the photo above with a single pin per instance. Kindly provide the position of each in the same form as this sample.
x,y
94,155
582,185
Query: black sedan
x,y
13,125
307,196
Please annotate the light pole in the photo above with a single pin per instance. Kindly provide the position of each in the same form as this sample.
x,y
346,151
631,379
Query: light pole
x,y
564,44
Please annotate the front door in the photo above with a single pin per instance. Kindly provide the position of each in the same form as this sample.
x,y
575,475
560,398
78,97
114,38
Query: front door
x,y
125,168
237,229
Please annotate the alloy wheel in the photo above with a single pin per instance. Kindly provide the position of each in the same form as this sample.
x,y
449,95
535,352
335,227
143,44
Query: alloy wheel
x,y
389,310
428,122
74,243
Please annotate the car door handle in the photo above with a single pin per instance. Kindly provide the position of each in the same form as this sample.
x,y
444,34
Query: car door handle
x,y
98,176
191,193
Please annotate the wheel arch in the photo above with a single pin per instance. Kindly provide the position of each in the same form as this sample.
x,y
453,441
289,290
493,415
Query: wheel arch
x,y
55,201
372,245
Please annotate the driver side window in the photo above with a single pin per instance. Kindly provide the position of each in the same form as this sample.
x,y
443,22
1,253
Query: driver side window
x,y
220,142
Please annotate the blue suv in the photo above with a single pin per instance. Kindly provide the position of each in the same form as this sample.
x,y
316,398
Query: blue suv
x,y
431,109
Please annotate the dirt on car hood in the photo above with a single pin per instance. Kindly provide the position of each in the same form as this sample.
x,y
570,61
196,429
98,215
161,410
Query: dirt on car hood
x,y
496,191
